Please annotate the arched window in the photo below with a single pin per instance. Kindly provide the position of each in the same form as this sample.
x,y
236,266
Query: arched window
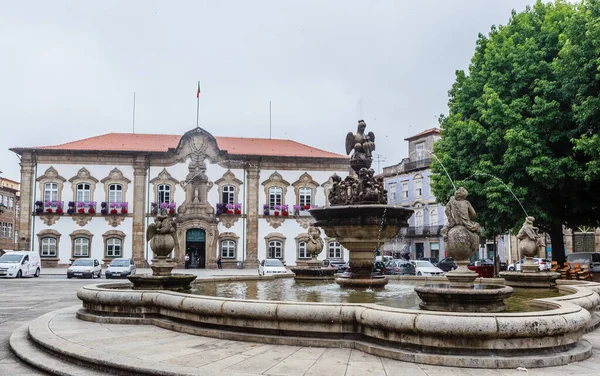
x,y
334,250
302,253
305,196
50,192
275,249
81,247
113,247
228,194
115,193
48,247
164,193
83,193
228,249
433,217
419,219
275,197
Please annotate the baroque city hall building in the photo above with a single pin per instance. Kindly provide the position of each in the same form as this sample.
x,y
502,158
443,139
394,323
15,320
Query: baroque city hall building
x,y
244,199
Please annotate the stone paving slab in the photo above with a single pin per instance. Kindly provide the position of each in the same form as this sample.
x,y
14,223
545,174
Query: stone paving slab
x,y
187,354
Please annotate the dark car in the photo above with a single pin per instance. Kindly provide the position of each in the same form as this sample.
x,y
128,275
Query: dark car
x,y
447,264
399,267
379,267
432,260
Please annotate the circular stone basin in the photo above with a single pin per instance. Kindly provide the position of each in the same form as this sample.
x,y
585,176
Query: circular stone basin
x,y
397,294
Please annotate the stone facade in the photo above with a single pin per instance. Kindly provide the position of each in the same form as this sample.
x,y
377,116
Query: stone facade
x,y
9,207
194,176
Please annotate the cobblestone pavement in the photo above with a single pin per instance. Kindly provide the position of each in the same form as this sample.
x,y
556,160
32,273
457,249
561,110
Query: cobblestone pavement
x,y
26,299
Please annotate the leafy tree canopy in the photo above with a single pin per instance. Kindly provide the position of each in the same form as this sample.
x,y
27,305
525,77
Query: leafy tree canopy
x,y
528,113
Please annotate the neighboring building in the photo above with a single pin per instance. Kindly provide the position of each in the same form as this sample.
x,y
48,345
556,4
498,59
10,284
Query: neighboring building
x,y
9,211
408,185
116,181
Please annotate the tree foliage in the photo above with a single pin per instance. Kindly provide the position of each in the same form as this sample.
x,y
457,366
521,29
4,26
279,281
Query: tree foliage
x,y
528,113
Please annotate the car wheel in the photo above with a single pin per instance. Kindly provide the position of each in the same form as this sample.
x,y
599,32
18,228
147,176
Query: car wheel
x,y
259,273
18,274
419,274
69,277
37,273
511,269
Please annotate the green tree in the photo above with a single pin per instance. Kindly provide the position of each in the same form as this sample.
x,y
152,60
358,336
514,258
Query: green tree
x,y
528,113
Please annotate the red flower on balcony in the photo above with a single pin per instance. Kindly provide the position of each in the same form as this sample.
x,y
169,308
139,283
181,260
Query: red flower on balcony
x,y
59,210
171,211
123,210
113,211
306,207
49,210
276,213
91,211
81,211
285,213
237,211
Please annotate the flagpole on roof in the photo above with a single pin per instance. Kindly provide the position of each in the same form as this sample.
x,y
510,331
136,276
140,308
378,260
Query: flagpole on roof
x,y
198,106
133,112
269,119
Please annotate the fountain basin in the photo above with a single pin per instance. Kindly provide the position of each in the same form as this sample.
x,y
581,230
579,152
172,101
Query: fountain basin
x,y
313,274
530,280
173,282
479,298
483,340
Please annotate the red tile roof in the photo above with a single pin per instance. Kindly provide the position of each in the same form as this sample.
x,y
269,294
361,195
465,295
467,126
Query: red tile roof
x,y
163,142
432,131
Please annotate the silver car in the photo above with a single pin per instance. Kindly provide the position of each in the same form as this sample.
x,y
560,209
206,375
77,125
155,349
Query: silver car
x,y
120,268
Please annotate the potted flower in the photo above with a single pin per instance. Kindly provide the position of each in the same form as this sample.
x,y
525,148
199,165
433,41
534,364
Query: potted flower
x,y
71,208
306,207
314,206
266,209
104,208
297,209
39,207
59,209
219,209
229,208
277,208
172,207
285,210
123,208
92,207
237,209
113,208
80,207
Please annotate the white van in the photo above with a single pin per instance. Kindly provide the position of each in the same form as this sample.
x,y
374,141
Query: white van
x,y
20,264
590,258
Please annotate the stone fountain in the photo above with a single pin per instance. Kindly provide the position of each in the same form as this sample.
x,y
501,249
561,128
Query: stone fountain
x,y
162,238
530,242
313,270
358,215
460,242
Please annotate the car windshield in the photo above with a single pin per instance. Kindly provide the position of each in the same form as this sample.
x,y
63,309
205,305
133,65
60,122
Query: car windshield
x,y
337,262
83,263
424,264
273,263
405,265
119,263
11,259
580,258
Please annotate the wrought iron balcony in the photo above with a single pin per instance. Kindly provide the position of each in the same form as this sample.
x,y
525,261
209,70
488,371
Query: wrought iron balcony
x,y
417,165
414,231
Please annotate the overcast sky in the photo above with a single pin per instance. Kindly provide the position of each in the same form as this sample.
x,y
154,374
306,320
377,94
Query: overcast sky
x,y
68,69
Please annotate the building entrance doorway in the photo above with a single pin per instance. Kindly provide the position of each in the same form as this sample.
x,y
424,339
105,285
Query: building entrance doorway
x,y
420,250
195,247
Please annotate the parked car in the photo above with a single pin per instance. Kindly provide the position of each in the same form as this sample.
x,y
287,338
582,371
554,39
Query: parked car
x,y
425,268
271,266
120,268
433,260
543,264
20,264
447,264
379,267
399,267
340,266
590,258
85,268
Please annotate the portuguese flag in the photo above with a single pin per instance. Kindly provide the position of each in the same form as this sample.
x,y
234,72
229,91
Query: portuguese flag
x,y
198,92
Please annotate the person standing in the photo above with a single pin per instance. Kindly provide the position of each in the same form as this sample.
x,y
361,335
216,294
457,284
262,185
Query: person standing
x,y
187,260
219,262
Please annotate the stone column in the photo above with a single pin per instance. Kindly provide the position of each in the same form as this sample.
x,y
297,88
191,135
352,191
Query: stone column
x,y
26,202
252,190
138,241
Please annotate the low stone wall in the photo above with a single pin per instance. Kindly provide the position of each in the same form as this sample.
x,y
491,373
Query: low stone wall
x,y
494,340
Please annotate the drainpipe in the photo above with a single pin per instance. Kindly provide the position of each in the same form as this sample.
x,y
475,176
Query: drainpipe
x,y
34,199
146,211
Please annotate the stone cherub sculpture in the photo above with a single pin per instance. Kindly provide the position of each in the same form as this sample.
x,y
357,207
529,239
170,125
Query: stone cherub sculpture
x,y
530,239
314,245
363,146
161,234
461,234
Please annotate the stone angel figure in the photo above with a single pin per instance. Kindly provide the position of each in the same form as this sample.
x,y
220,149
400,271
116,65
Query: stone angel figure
x,y
161,234
363,146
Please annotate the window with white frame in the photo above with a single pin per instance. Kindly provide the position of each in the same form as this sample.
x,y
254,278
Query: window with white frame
x,y
48,247
335,250
305,196
275,249
228,249
83,192
115,193
81,247
4,232
275,197
392,192
10,230
11,203
302,252
113,247
420,151
419,219
405,191
433,217
419,188
50,192
228,194
164,193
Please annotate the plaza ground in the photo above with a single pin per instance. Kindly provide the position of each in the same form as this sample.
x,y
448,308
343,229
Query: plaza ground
x,y
24,300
